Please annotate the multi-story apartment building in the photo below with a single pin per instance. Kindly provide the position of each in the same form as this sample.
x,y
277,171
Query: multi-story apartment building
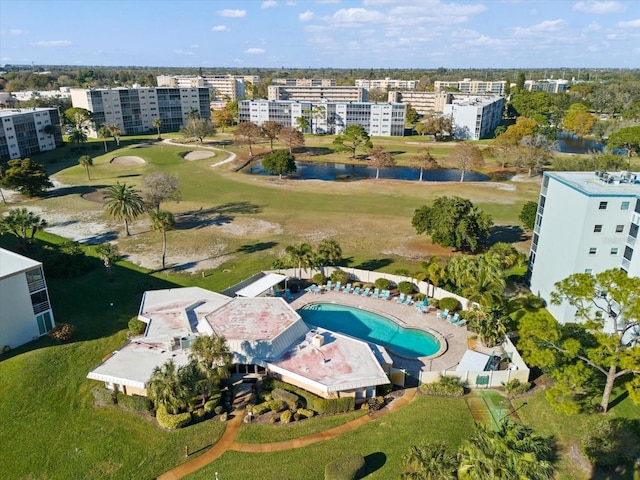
x,y
22,132
387,84
301,93
305,82
425,103
23,96
586,223
221,87
549,85
25,309
134,109
378,119
478,87
475,117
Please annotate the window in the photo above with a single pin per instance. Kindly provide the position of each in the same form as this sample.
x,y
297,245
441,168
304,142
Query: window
x,y
614,250
588,270
619,228
44,322
603,206
624,206
597,228
593,251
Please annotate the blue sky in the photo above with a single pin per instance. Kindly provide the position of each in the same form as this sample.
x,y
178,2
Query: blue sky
x,y
322,33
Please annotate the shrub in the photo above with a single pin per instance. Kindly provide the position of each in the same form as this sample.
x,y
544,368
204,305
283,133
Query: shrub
x,y
268,383
445,386
211,404
275,405
285,417
167,420
534,302
303,412
418,297
103,395
137,403
383,283
218,410
434,302
199,413
449,302
62,332
516,387
224,416
406,287
375,403
333,405
608,442
347,468
261,408
340,276
137,326
272,420
319,279
290,399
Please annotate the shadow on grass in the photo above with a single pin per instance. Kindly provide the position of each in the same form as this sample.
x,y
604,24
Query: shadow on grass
x,y
374,461
507,234
74,190
220,215
315,151
256,247
374,264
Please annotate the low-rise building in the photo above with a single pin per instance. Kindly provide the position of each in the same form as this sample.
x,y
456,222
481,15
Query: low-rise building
x,y
478,87
387,84
548,85
475,118
425,103
25,309
22,132
305,82
302,93
221,87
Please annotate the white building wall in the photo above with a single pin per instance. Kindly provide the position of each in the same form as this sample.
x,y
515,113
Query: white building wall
x,y
17,321
10,135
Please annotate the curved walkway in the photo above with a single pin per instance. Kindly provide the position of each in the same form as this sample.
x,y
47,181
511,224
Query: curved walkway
x,y
229,159
227,442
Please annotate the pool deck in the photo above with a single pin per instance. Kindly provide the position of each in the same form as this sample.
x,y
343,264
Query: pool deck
x,y
457,338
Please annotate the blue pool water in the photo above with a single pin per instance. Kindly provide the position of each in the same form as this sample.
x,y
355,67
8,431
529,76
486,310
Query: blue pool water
x,y
370,327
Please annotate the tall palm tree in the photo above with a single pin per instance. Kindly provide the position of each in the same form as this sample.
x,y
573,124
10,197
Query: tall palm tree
x,y
429,461
431,271
212,358
424,161
104,133
157,123
193,116
123,203
329,252
86,161
77,137
115,131
300,256
167,388
161,221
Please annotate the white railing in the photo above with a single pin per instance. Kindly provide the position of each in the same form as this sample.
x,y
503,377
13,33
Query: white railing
x,y
41,307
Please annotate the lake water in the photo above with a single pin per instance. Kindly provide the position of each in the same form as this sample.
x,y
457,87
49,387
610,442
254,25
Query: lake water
x,y
568,143
340,171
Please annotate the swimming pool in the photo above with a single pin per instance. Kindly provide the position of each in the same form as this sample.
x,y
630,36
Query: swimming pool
x,y
371,327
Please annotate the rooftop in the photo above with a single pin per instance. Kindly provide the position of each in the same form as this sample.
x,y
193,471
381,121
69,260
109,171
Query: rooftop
x,y
601,183
9,112
12,263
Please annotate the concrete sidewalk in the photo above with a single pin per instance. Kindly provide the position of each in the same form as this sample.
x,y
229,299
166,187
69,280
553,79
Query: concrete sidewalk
x,y
227,442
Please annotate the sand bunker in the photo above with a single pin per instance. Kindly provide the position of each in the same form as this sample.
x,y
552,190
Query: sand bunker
x,y
127,160
198,155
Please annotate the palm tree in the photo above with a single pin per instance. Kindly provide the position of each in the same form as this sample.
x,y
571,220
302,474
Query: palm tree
x,y
193,116
431,271
429,461
300,256
104,133
22,223
329,252
424,161
50,129
157,123
115,131
77,137
86,161
123,203
167,387
161,221
212,358
108,253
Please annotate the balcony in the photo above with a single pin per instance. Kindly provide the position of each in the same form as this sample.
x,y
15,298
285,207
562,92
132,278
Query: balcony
x,y
41,307
36,285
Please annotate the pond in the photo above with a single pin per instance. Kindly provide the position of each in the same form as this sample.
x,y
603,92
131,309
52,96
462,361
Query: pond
x,y
343,172
569,143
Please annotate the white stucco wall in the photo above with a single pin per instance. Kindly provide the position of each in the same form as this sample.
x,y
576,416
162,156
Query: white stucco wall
x,y
17,321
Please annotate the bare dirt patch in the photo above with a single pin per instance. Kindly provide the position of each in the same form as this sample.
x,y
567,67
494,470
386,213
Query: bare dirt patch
x,y
96,196
250,227
198,155
127,160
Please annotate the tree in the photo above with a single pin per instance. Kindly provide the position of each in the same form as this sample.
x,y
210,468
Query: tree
x,y
534,151
280,162
378,159
429,461
109,254
157,124
77,137
247,132
453,222
317,112
627,138
86,161
26,176
437,125
104,133
123,203
50,129
80,118
578,120
212,359
424,161
223,118
291,138
608,305
520,79
300,256
115,131
192,117
271,129
523,127
431,271
202,128
167,387
528,214
161,221
480,278
464,157
158,187
23,224
412,116
352,137
302,123
514,451
329,252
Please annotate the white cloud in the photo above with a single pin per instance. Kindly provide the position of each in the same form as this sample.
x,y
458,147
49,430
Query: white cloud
x,y
179,51
291,3
593,27
5,59
53,43
599,8
220,28
255,51
542,27
13,32
630,24
356,15
232,13
306,16
194,46
269,3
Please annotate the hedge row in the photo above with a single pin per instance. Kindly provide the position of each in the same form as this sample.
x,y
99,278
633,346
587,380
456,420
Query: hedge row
x,y
446,386
290,399
136,403
103,395
167,420
319,404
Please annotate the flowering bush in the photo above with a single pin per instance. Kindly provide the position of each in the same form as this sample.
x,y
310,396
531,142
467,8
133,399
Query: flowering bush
x,y
62,332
